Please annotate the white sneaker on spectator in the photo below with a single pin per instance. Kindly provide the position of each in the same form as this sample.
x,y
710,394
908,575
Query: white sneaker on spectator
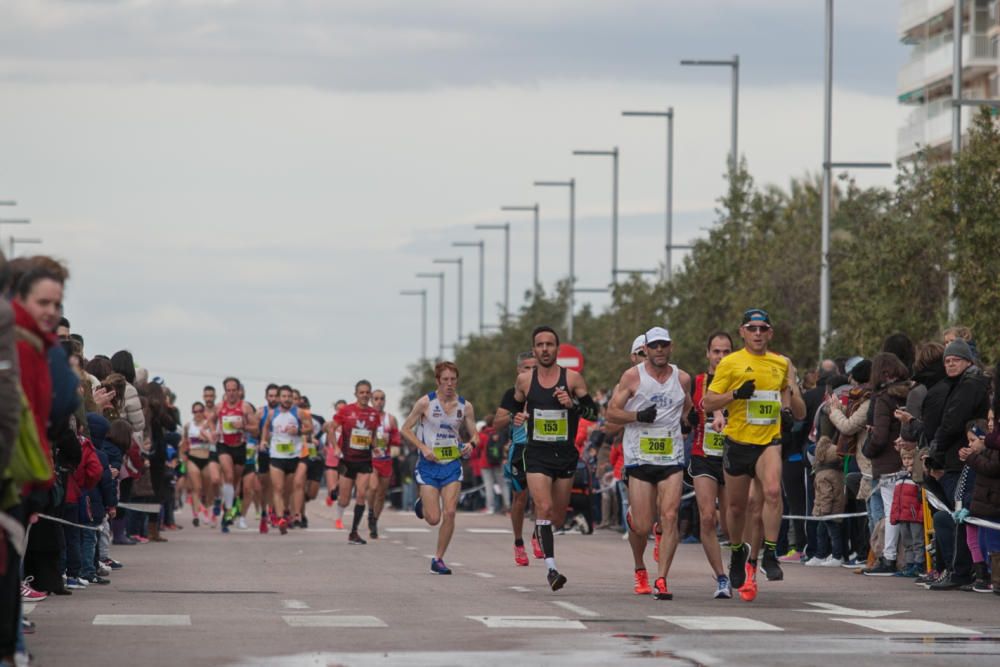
x,y
832,562
815,561
103,570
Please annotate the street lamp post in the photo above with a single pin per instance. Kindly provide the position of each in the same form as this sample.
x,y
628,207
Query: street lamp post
x,y
482,261
506,265
571,184
613,154
13,221
422,293
534,208
440,276
669,115
14,241
734,63
457,261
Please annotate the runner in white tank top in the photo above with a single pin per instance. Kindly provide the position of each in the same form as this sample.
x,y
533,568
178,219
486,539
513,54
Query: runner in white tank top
x,y
651,400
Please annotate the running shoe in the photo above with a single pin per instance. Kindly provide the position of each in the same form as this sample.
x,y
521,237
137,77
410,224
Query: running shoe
x,y
112,563
329,500
95,579
537,548
75,584
815,561
748,591
263,525
832,561
723,591
29,594
883,568
354,538
418,508
339,524
438,566
792,556
737,566
103,569
929,577
556,580
195,521
283,526
242,523
642,582
372,527
304,522
660,591
140,539
520,556
225,525
771,566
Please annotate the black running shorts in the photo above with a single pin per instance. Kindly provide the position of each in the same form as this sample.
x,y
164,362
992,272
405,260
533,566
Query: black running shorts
x,y
557,462
740,460
286,466
651,474
707,466
351,469
238,453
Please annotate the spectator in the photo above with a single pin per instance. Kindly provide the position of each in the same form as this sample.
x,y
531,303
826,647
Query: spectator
x,y
908,514
830,499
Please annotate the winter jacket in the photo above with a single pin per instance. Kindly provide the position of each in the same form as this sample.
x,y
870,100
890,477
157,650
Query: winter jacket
x,y
99,427
880,446
986,492
907,506
132,412
65,386
850,423
87,474
95,503
10,395
968,399
32,356
830,494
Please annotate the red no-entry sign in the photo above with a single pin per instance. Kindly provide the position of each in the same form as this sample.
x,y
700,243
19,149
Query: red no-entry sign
x,y
570,357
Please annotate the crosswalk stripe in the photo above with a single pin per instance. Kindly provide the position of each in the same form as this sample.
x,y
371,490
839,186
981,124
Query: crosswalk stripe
x,y
294,604
520,589
334,622
908,626
407,530
723,623
529,622
485,575
142,619
576,609
489,531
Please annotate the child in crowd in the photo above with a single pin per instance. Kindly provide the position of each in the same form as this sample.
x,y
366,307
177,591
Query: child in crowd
x,y
984,466
908,513
830,499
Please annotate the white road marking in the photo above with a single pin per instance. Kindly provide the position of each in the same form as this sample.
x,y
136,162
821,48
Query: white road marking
x,y
334,622
458,565
28,607
485,575
428,555
529,622
837,610
908,626
489,531
407,530
576,609
411,548
699,658
723,623
142,619
520,589
294,604
396,542
322,530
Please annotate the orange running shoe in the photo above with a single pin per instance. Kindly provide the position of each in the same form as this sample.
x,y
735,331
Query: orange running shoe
x,y
661,592
339,524
329,500
283,525
520,556
537,548
263,525
642,582
748,591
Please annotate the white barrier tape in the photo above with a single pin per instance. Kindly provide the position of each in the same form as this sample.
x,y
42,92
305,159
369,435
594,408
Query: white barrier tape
x,y
975,521
828,517
144,508
67,523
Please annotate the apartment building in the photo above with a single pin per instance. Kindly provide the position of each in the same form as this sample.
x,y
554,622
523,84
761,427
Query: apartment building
x,y
924,82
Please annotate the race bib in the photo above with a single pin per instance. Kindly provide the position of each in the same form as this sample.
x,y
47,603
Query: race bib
x,y
284,448
380,439
551,426
231,424
311,451
712,443
656,444
764,408
446,448
361,438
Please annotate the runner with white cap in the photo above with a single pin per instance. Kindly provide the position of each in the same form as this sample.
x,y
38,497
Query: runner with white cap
x,y
650,400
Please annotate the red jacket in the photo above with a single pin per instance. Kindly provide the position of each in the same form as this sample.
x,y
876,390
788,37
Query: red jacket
x,y
907,505
87,475
617,459
32,354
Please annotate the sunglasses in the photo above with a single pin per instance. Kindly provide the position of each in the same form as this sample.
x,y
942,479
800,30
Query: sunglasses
x,y
658,345
198,411
640,353
756,328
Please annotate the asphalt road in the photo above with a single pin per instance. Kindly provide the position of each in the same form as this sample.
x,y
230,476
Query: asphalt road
x,y
309,598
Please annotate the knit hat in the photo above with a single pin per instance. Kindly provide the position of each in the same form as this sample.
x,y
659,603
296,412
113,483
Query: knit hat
x,y
861,372
959,348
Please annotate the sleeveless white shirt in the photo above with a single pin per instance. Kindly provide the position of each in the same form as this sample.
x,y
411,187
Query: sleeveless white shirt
x,y
659,443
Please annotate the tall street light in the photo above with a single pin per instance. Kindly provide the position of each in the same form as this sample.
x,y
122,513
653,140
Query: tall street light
x,y
669,115
828,167
14,221
14,241
505,227
534,208
422,293
734,63
613,154
571,184
458,261
440,276
482,260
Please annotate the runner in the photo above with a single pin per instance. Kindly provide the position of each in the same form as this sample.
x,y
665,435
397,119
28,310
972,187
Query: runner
x,y
332,459
263,415
386,440
249,484
705,467
755,385
236,419
197,443
650,400
310,469
358,422
513,469
282,433
551,400
441,415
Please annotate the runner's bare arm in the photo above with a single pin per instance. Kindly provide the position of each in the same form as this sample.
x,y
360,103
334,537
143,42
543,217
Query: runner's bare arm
x,y
251,424
791,397
617,415
685,380
419,408
470,426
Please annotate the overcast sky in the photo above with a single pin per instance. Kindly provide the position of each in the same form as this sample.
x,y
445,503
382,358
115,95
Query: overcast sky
x,y
243,187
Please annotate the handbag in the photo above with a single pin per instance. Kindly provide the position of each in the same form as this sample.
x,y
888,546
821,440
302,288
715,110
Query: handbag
x,y
28,461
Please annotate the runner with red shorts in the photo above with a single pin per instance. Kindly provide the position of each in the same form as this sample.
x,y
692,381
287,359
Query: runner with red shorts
x,y
236,419
358,422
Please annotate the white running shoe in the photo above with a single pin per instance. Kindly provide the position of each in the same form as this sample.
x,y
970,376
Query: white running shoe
x,y
242,523
814,562
832,562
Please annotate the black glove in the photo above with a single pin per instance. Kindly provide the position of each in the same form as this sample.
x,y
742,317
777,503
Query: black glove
x,y
646,415
745,391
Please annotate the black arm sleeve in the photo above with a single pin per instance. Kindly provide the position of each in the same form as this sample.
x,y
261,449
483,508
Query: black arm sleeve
x,y
588,409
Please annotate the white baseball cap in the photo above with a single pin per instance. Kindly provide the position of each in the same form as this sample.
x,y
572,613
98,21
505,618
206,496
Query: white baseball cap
x,y
638,343
657,333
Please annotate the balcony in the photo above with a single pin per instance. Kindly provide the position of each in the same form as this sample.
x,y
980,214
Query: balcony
x,y
932,61
929,125
913,13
